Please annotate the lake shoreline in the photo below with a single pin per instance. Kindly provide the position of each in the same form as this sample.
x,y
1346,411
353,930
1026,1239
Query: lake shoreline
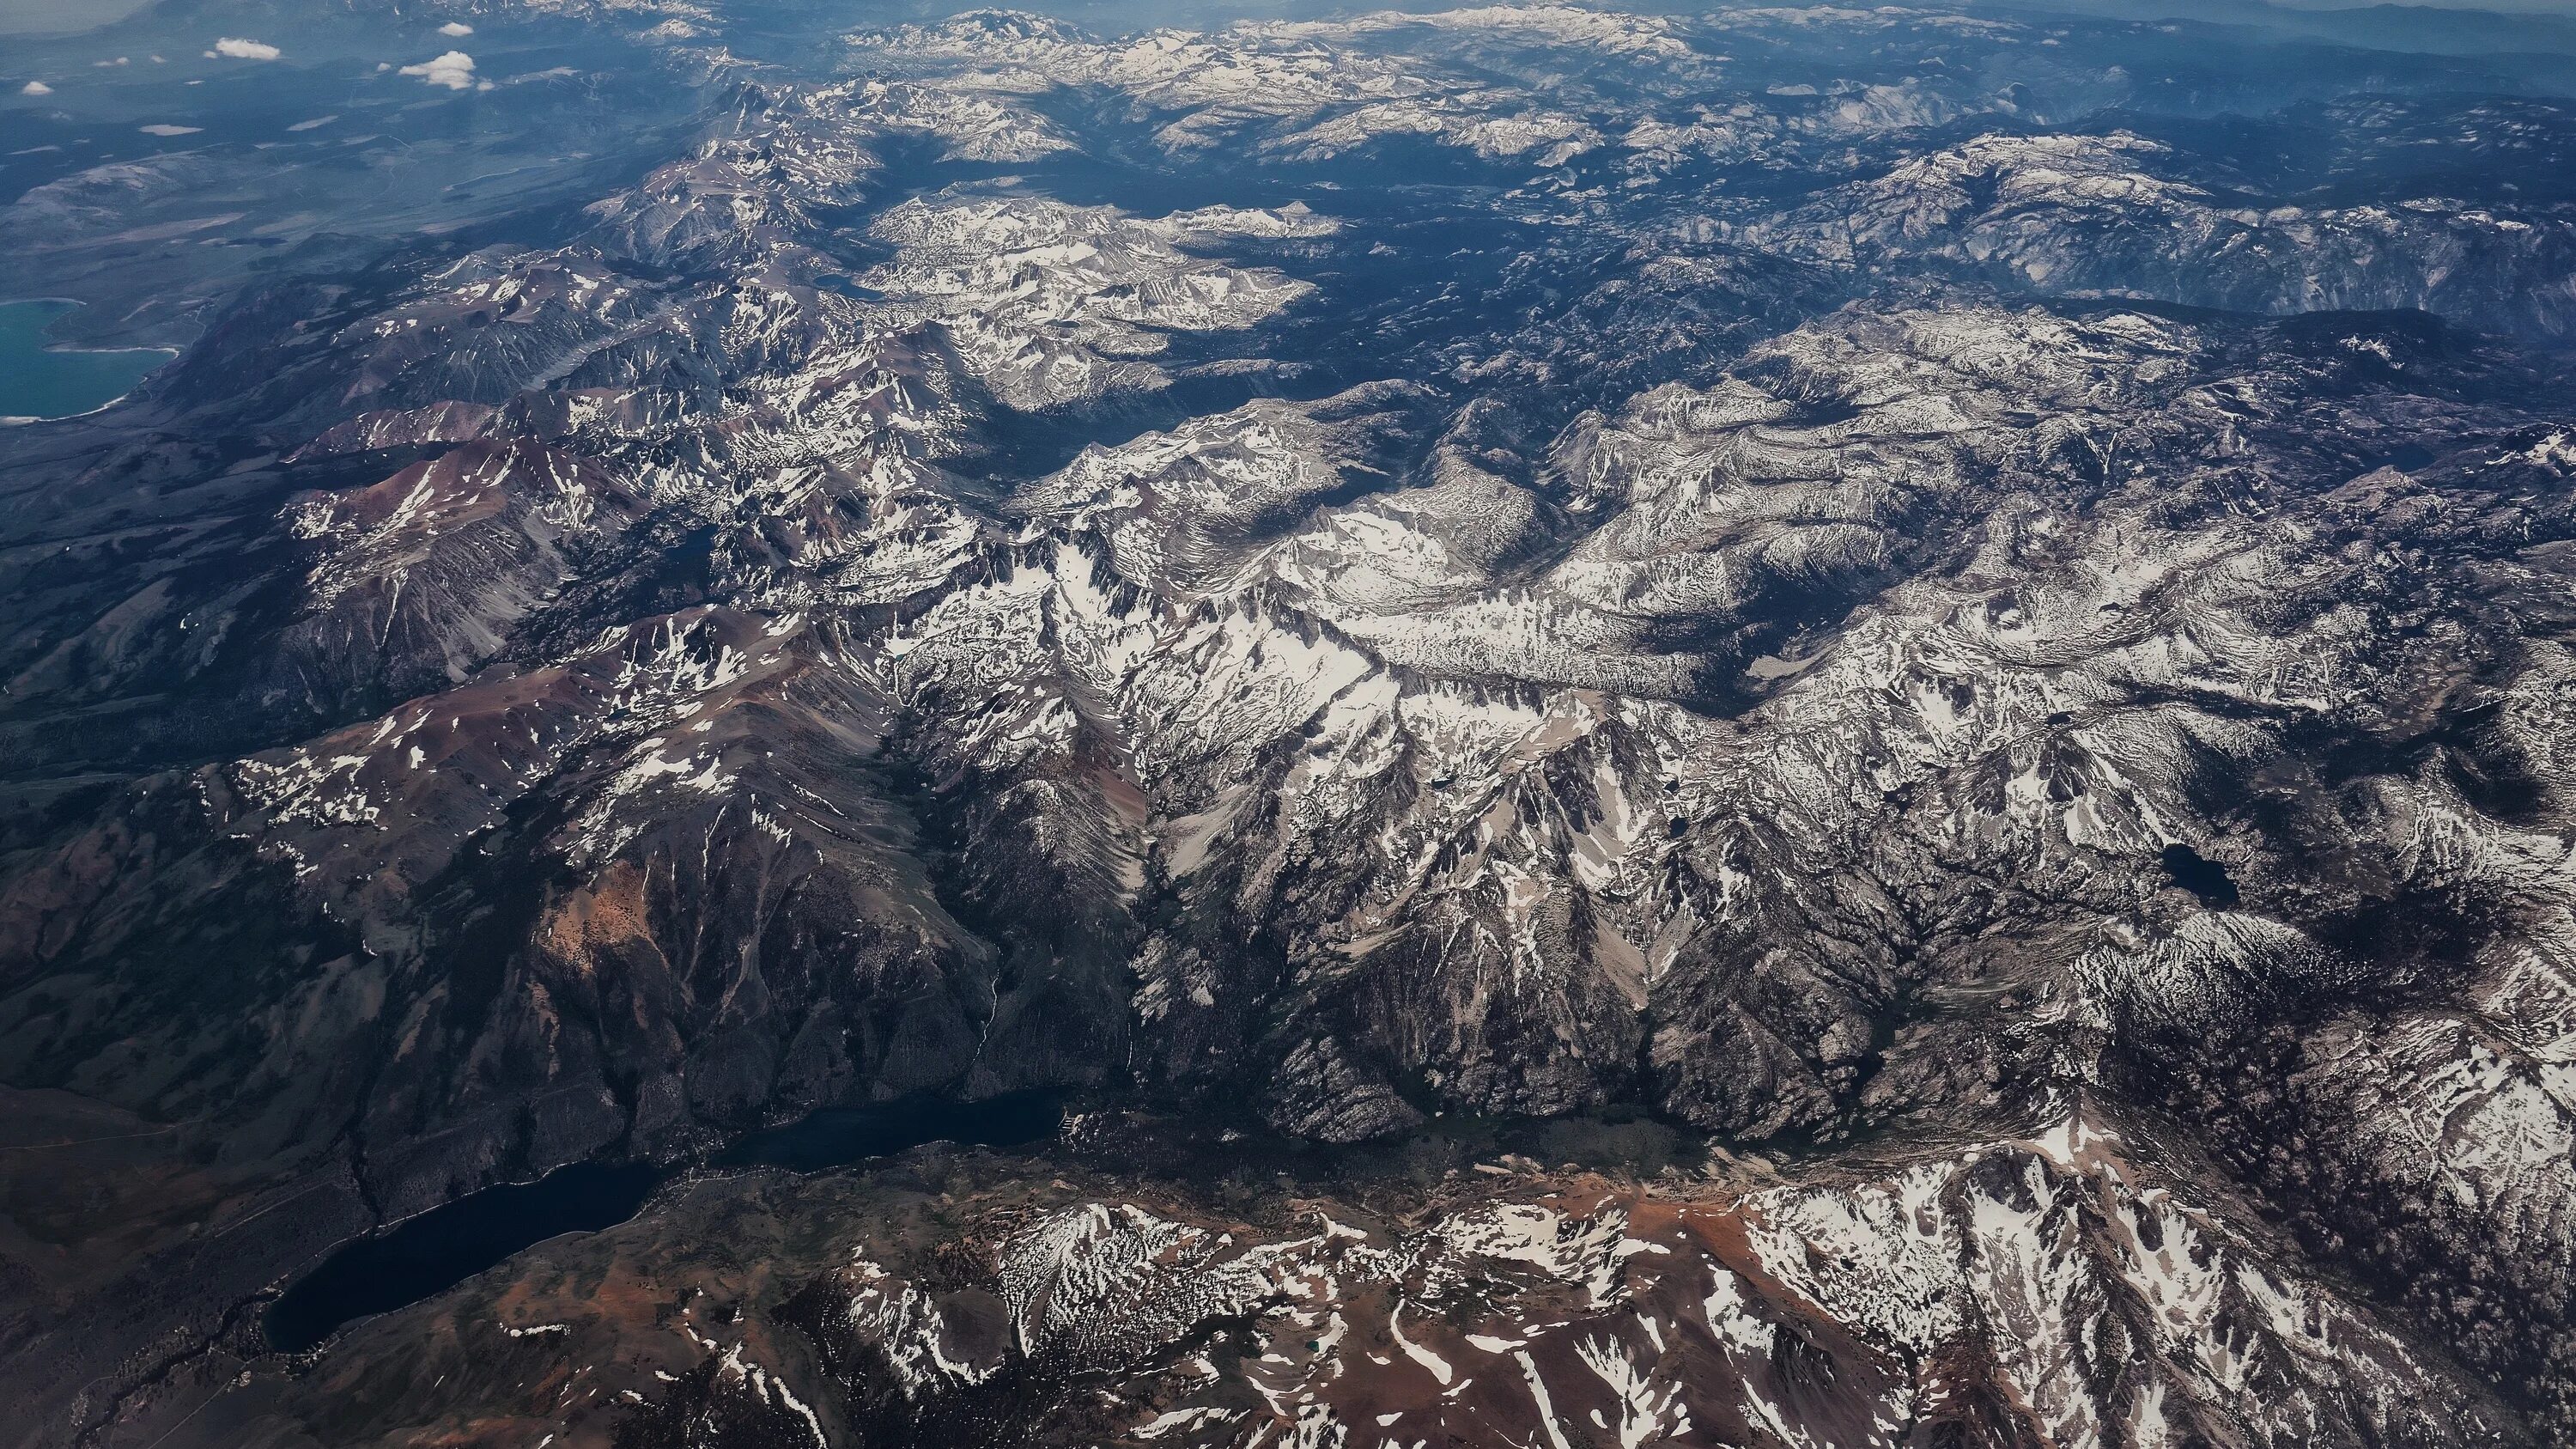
x,y
27,348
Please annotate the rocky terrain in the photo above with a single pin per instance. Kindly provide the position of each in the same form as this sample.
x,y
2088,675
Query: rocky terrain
x,y
2045,1290
1967,615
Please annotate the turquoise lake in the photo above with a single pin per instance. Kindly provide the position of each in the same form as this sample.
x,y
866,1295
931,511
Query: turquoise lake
x,y
42,381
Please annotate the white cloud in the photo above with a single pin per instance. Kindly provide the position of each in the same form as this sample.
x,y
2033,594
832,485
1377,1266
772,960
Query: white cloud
x,y
455,29
35,88
240,49
454,70
169,130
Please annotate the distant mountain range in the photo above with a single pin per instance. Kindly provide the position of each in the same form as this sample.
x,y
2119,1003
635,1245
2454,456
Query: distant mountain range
x,y
2412,29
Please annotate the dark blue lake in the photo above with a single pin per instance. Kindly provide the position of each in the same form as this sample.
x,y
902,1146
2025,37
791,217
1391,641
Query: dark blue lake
x,y
2206,879
426,1255
39,380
